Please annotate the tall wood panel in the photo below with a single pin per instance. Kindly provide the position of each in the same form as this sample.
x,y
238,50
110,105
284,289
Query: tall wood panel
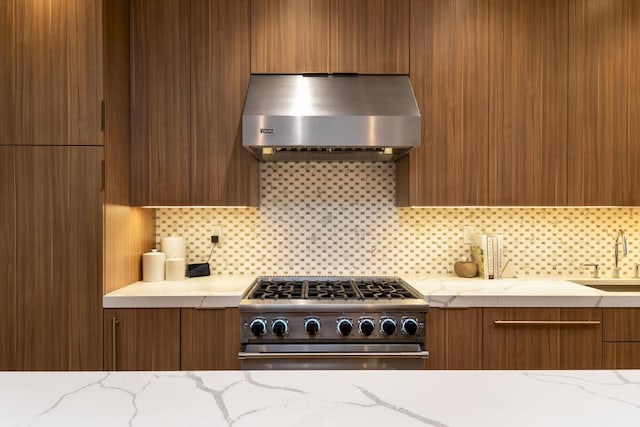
x,y
145,339
210,339
222,171
59,257
10,311
528,102
370,36
449,73
160,102
598,99
58,71
632,191
289,36
8,133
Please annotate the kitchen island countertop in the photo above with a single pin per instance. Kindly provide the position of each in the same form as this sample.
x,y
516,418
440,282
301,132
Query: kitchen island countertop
x,y
321,398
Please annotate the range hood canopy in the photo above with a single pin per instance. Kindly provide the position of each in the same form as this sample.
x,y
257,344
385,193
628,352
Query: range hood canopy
x,y
330,117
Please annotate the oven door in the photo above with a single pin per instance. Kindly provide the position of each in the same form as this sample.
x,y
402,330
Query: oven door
x,y
332,356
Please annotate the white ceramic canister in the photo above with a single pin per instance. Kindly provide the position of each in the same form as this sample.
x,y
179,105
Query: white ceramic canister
x,y
153,266
174,247
175,269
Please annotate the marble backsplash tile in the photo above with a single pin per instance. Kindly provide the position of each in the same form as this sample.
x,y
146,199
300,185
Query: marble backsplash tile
x,y
340,219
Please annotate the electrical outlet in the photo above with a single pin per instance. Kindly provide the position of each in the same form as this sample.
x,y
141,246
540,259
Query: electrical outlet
x,y
217,231
468,231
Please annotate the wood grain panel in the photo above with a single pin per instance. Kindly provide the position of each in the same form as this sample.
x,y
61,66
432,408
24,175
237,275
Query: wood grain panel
x,y
632,191
621,355
541,346
160,92
219,164
8,133
59,256
454,338
598,97
210,339
147,339
10,312
621,324
58,71
449,56
370,36
528,102
289,36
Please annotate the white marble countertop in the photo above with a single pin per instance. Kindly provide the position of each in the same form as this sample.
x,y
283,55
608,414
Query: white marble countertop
x,y
226,291
321,398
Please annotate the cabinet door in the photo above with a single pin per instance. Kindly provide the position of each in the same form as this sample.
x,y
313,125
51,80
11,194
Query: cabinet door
x,y
449,54
542,338
289,36
632,192
370,36
8,133
598,99
454,338
528,102
621,355
58,226
9,307
210,339
142,339
222,171
58,71
160,102
621,324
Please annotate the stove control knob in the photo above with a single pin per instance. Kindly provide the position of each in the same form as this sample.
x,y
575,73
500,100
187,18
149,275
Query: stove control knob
x,y
366,326
258,326
344,327
409,326
279,327
388,326
312,326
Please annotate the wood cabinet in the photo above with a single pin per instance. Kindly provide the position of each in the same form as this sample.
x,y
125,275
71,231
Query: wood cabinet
x,y
210,339
528,56
142,339
454,338
542,338
621,337
50,72
449,73
51,232
336,36
190,72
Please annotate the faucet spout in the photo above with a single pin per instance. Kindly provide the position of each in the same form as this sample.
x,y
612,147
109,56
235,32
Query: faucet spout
x,y
621,239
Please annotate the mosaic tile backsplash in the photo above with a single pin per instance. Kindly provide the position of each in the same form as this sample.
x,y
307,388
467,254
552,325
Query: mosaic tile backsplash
x,y
340,219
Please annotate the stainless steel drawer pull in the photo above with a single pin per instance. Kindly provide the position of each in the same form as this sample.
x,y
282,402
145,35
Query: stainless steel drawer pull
x,y
547,322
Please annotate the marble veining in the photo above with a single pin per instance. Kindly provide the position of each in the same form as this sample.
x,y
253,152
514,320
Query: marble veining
x,y
321,398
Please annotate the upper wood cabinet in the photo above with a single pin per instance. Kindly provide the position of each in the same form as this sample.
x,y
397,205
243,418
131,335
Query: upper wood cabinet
x,y
190,72
528,56
449,55
50,72
335,36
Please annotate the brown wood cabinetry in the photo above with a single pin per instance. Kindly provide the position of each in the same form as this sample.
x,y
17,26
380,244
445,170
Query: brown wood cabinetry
x,y
190,71
50,72
454,338
542,338
142,339
9,289
336,36
621,336
449,73
528,102
210,339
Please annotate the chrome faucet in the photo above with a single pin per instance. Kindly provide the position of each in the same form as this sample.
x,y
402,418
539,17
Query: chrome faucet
x,y
620,240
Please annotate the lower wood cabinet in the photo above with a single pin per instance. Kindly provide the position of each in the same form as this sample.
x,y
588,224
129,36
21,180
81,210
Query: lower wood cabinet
x,y
621,338
542,338
142,339
454,338
210,339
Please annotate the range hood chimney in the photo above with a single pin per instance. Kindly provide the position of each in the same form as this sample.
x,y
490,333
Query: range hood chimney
x,y
330,118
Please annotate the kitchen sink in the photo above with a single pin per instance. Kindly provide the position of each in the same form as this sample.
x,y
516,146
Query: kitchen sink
x,y
611,285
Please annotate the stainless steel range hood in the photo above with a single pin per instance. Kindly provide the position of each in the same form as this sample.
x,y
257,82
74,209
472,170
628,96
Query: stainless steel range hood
x,y
330,117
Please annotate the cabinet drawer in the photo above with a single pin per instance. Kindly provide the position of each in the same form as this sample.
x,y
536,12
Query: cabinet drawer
x,y
621,355
621,324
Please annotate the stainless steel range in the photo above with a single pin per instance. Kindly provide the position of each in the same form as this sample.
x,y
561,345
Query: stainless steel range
x,y
332,323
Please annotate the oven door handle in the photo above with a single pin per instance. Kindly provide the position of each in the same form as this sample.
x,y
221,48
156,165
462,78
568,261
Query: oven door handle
x,y
335,355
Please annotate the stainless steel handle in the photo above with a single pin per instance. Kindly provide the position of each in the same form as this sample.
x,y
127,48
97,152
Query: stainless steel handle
x,y
324,355
114,342
547,322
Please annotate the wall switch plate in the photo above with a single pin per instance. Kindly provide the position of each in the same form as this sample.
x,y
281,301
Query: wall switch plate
x,y
468,231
